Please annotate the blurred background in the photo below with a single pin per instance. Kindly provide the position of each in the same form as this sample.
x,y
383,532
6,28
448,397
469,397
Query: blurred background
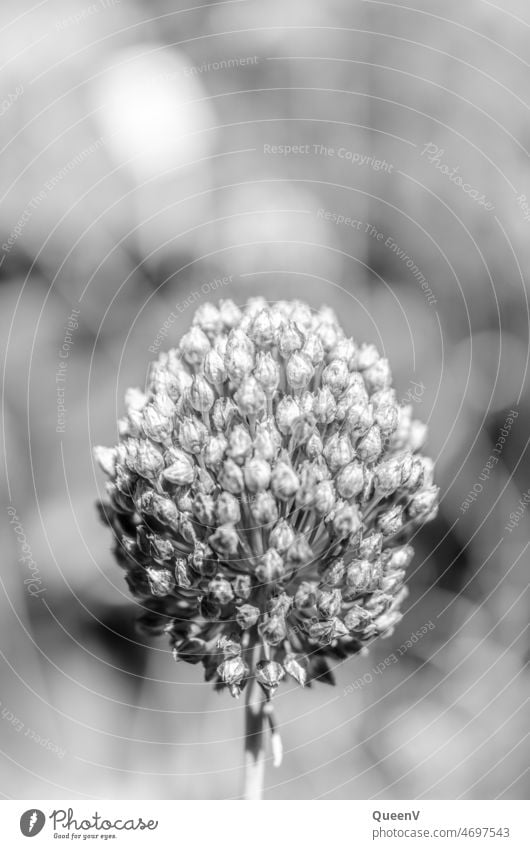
x,y
372,156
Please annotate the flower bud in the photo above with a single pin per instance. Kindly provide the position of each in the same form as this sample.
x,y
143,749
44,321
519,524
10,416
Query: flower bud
x,y
329,603
299,552
281,536
231,477
370,446
239,357
346,350
390,521
367,356
161,582
359,418
327,332
299,371
220,590
313,349
201,394
242,586
273,630
350,480
378,376
327,631
267,373
287,413
214,451
224,410
181,574
387,476
225,541
165,510
306,595
264,509
232,673
334,574
279,605
296,667
335,376
239,444
227,509
423,501
370,547
357,618
250,397
247,615
262,330
135,399
314,446
270,567
181,472
257,474
145,459
193,435
269,674
417,436
363,576
214,367
284,481
324,406
338,452
194,346
387,418
401,557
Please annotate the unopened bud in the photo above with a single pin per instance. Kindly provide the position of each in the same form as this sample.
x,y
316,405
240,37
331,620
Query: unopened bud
x,y
334,574
313,349
324,406
227,508
346,521
338,452
220,590
367,356
270,567
378,376
106,459
161,582
181,472
284,481
204,509
264,508
239,444
247,615
281,536
324,499
262,330
329,603
273,630
390,521
267,440
230,314
208,318
287,413
290,340
257,474
214,451
350,480
335,376
306,595
201,394
299,371
193,435
424,501
232,672
214,367
269,674
231,477
147,461
314,446
250,397
225,541
267,373
242,586
194,346
296,667
370,446
222,414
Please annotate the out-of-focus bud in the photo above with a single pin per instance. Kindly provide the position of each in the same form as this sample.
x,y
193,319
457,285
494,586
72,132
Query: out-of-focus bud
x,y
135,399
106,459
390,521
284,480
247,615
327,332
204,509
417,436
181,472
378,376
208,318
306,595
214,367
400,558
194,346
264,509
250,397
423,501
214,451
363,576
239,444
299,552
267,440
225,541
346,521
370,446
227,508
334,574
161,581
269,674
313,349
329,603
335,376
324,406
257,474
299,371
267,373
357,618
230,314
314,446
324,499
281,536
327,631
219,590
371,546
201,394
350,480
338,451
296,667
346,350
290,339
270,567
287,412
193,435
367,356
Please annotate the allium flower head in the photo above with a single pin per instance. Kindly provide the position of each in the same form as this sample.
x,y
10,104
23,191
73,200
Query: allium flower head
x,y
263,492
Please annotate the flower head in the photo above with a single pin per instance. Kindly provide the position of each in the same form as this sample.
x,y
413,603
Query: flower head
x,y
263,492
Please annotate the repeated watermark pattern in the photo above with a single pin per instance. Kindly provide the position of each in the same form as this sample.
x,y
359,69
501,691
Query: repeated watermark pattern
x,y
10,99
85,13
517,515
393,657
434,155
72,323
19,726
352,156
490,464
33,583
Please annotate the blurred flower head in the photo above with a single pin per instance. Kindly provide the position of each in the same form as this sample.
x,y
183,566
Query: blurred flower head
x,y
263,493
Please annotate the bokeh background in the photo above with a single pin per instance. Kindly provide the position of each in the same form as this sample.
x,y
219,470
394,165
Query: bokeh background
x,y
147,165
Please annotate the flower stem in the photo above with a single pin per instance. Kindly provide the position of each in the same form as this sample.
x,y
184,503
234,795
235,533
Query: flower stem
x,y
254,743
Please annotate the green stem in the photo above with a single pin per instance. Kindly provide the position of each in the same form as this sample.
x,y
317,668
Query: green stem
x,y
254,743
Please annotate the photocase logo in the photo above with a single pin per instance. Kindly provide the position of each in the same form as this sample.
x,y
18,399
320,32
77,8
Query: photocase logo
x,y
32,822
